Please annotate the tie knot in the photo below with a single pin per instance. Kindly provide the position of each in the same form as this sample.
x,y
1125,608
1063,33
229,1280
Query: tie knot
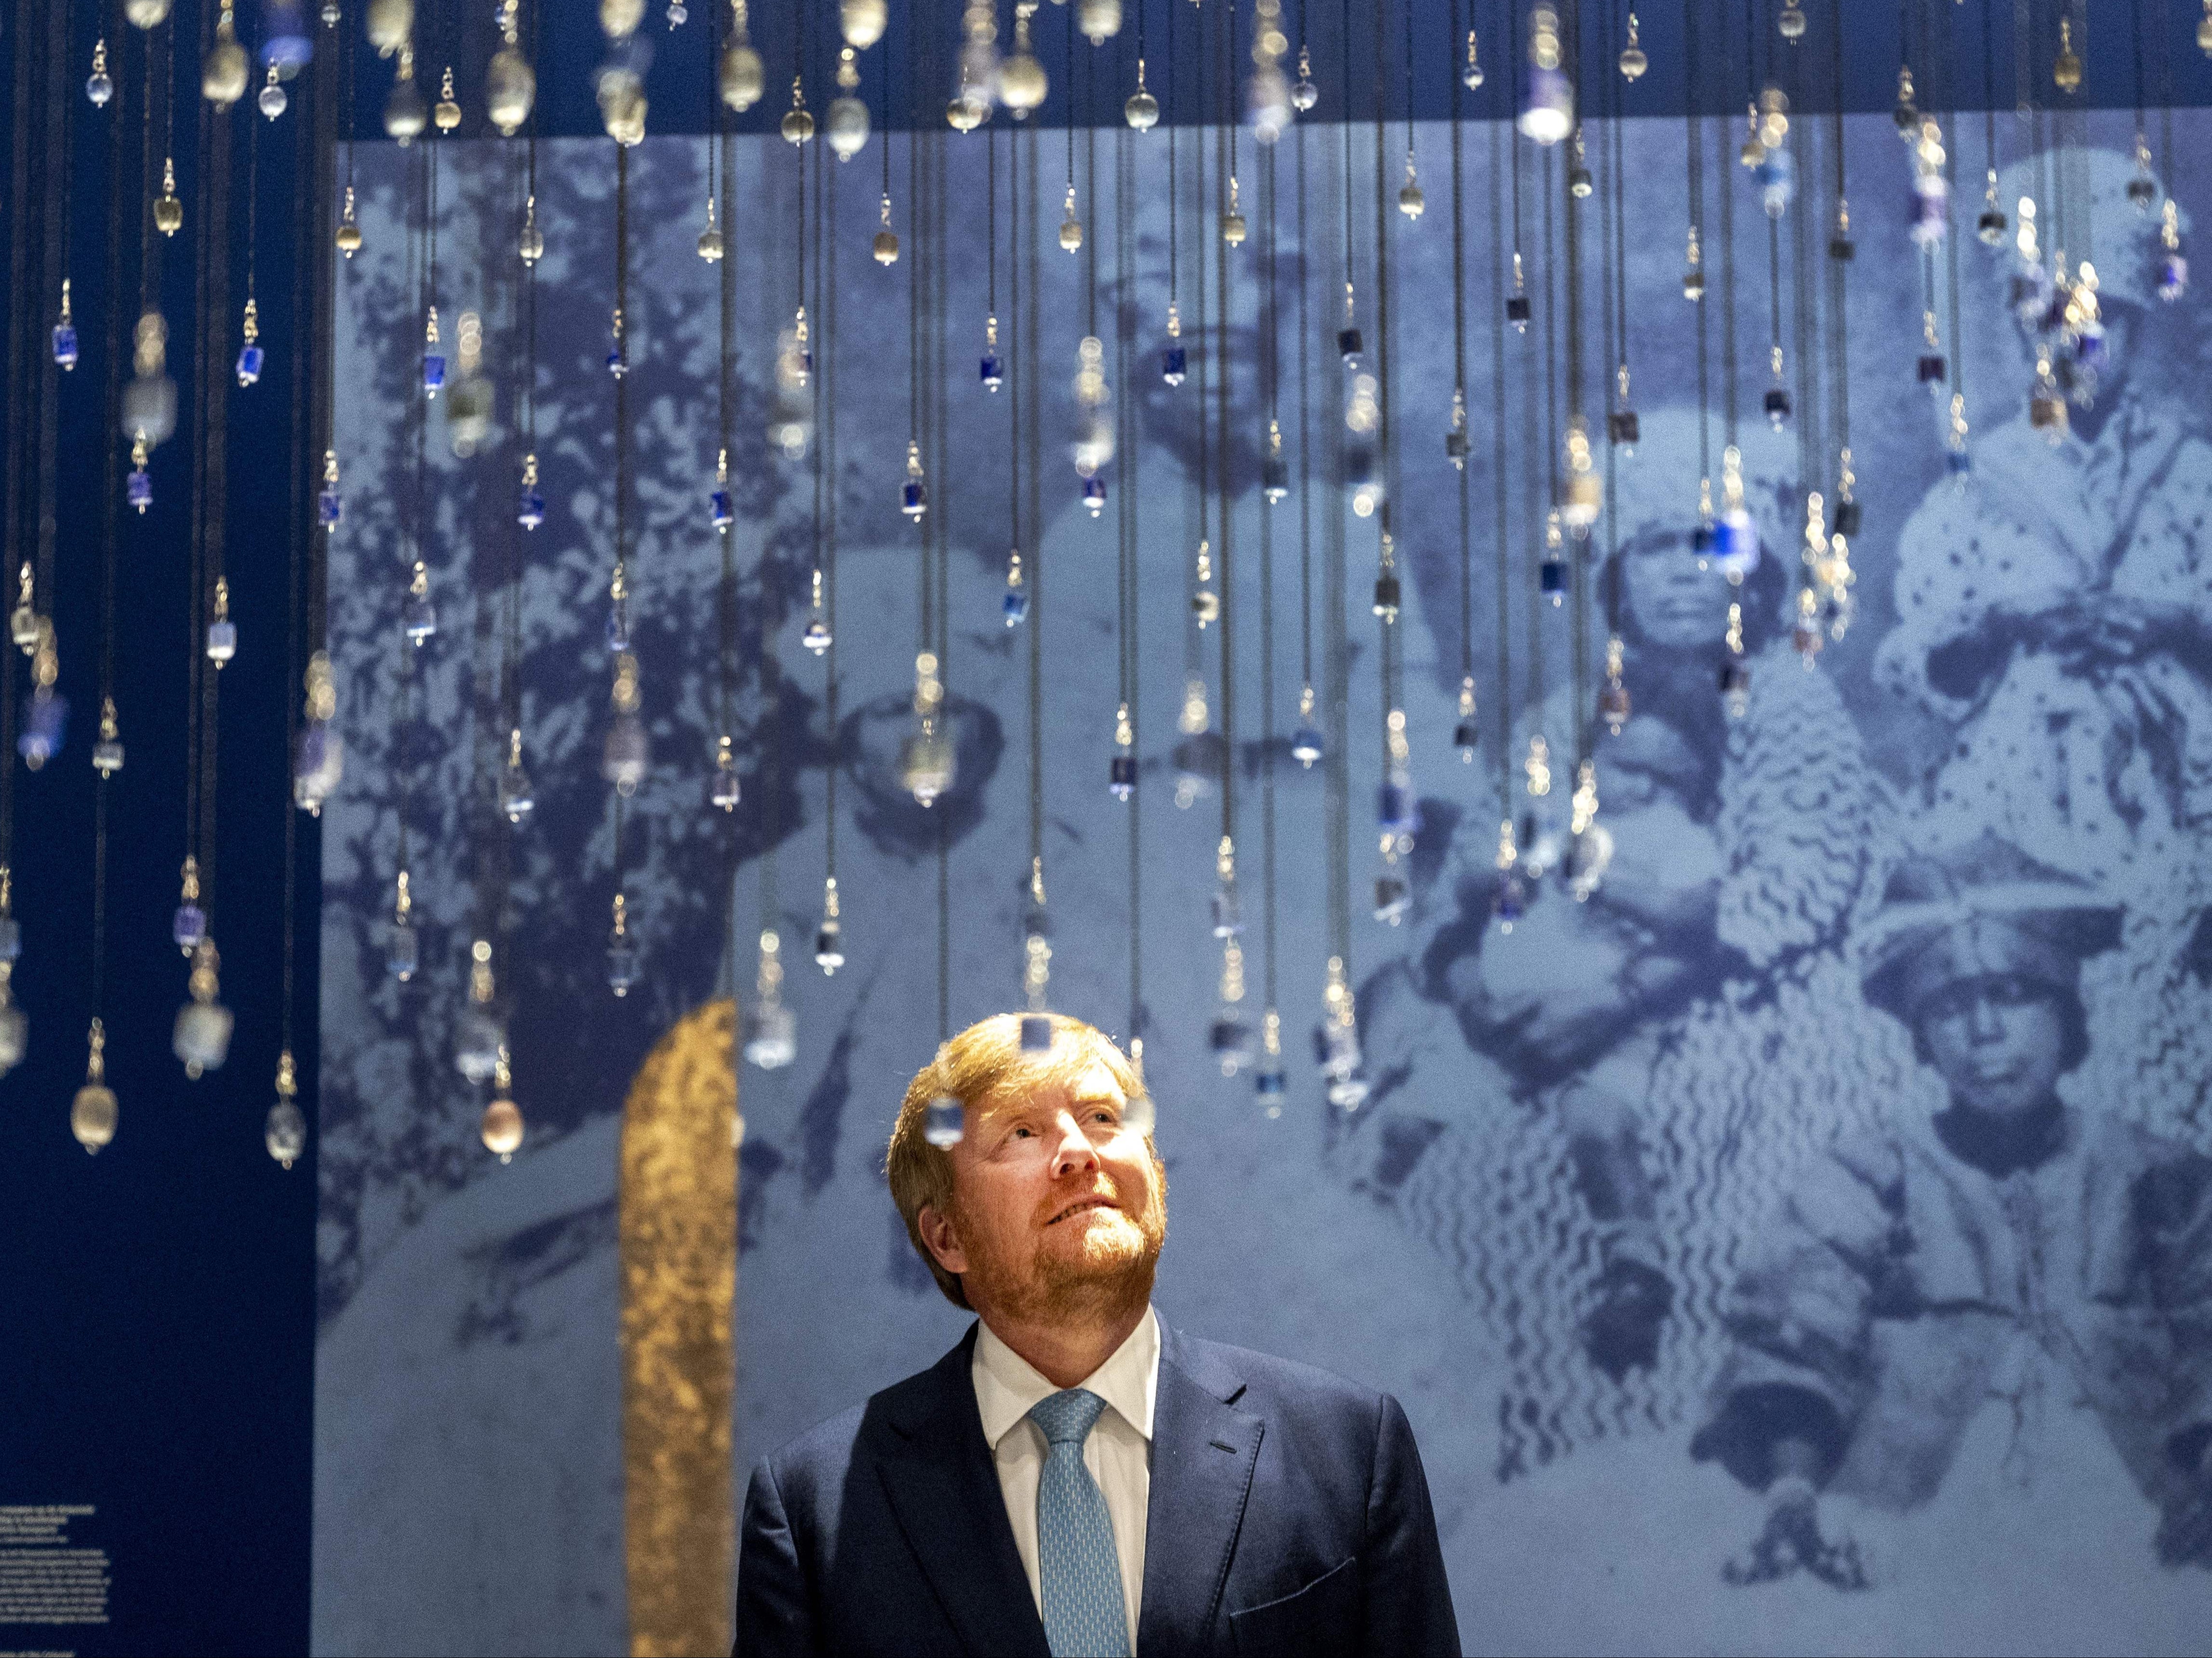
x,y
1067,1417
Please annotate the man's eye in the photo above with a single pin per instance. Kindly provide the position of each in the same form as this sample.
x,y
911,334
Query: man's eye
x,y
1021,1133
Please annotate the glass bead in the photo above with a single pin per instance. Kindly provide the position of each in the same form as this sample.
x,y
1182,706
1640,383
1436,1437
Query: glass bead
x,y
1348,345
11,938
1735,544
189,927
771,1036
1958,463
1268,1082
1387,595
1015,606
273,99
66,352
1805,639
99,88
1931,211
434,373
724,791
1518,310
501,1128
618,626
108,756
1510,902
1121,775
1174,365
221,641
329,509
816,638
829,946
1275,478
1456,446
719,511
1735,687
529,507
1848,518
317,767
284,1132
1932,368
914,498
517,798
1094,496
92,1114
2172,276
401,952
1229,1038
1228,920
1037,1033
1390,897
14,1037
993,372
926,766
201,1037
138,488
1466,737
1305,745
1548,115
1777,177
1205,605
1613,706
1395,810
1777,406
945,1123
249,364
419,617
1991,226
45,724
622,965
624,760
1624,428
478,1040
1551,577
1693,288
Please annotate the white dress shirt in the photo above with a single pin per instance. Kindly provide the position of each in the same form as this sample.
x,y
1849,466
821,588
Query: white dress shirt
x,y
1118,1453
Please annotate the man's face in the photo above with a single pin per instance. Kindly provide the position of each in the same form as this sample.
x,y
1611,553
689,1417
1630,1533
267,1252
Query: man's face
x,y
2000,1041
1058,1208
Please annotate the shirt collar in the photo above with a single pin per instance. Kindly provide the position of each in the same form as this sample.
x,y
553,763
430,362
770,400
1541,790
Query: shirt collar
x,y
1007,1386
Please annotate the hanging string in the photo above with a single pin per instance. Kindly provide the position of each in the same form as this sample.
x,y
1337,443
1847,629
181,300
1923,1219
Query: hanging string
x,y
212,490
1455,439
1305,459
1124,215
1501,490
1270,1080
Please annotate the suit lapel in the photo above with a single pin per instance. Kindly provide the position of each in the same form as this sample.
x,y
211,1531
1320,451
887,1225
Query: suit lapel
x,y
1203,1454
944,1490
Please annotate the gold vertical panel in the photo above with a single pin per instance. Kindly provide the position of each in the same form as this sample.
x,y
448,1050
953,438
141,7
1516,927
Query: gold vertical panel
x,y
679,1273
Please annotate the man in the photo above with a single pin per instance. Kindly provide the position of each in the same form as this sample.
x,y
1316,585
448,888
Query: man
x,y
1074,1478
2010,1250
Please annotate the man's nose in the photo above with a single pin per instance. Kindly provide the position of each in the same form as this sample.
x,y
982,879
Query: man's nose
x,y
1984,1023
1074,1152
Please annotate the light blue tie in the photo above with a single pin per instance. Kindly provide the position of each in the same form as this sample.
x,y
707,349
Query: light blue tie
x,y
1084,1616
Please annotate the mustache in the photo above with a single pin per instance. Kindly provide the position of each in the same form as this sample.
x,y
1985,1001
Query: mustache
x,y
1105,1194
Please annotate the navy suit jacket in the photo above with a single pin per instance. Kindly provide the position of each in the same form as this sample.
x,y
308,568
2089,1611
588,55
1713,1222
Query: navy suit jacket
x,y
1288,1514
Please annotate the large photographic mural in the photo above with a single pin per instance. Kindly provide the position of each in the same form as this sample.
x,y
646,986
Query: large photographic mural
x,y
1800,1241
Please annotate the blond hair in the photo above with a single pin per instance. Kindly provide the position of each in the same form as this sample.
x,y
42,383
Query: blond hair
x,y
974,1065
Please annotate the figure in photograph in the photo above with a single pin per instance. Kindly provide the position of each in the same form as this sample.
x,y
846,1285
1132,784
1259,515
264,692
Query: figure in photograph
x,y
1619,1069
2055,608
2009,1251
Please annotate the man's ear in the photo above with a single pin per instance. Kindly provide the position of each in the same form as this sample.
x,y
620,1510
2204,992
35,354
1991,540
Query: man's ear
x,y
941,1239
